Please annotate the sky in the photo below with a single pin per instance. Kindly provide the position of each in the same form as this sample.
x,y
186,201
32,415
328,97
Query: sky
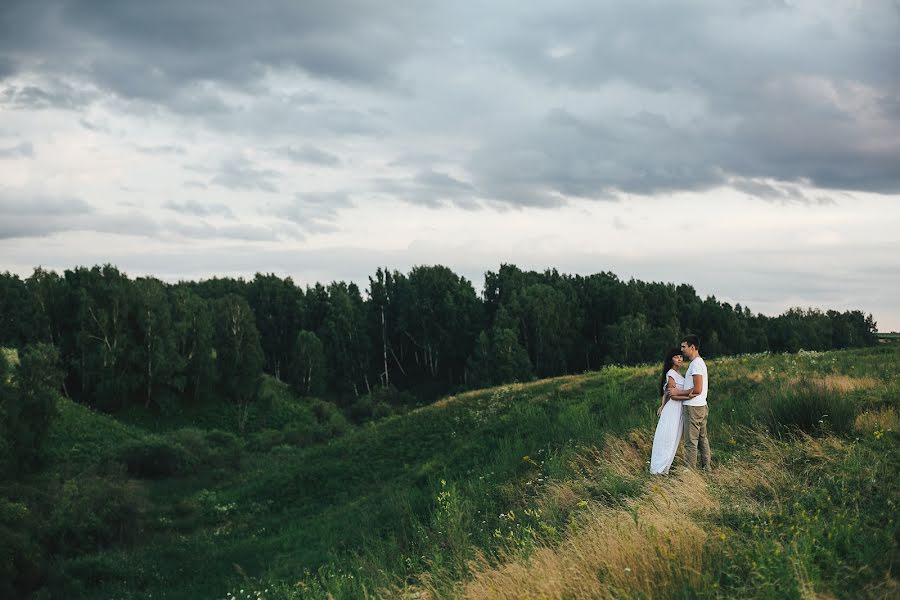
x,y
751,149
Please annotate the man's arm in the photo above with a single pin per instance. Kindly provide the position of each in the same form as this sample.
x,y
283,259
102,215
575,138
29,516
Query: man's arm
x,y
698,385
691,392
672,391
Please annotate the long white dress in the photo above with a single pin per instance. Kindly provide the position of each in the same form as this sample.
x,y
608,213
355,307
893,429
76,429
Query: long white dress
x,y
668,431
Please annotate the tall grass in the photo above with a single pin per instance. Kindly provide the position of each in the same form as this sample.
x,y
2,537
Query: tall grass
x,y
517,491
810,406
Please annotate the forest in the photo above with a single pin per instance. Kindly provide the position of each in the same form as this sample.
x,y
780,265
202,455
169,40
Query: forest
x,y
281,432
406,340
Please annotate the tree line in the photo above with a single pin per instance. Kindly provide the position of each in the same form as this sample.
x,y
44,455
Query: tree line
x,y
408,337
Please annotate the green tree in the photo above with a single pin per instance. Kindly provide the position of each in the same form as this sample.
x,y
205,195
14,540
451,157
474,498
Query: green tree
x,y
307,373
278,306
102,301
193,333
160,366
629,341
239,356
498,358
29,396
441,319
548,327
17,315
343,336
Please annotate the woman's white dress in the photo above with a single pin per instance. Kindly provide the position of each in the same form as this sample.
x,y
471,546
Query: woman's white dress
x,y
668,431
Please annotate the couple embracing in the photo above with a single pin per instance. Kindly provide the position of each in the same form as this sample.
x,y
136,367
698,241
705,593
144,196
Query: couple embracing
x,y
683,411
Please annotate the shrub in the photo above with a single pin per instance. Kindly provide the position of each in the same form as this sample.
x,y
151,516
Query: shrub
x,y
382,410
93,512
811,407
216,449
155,458
361,410
268,439
21,558
306,436
75,576
226,448
265,440
374,406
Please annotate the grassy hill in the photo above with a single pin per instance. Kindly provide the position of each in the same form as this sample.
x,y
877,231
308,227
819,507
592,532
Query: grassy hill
x,y
528,490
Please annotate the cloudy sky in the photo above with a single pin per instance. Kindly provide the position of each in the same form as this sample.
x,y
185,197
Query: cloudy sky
x,y
751,149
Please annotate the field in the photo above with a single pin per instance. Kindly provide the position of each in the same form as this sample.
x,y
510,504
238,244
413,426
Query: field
x,y
533,490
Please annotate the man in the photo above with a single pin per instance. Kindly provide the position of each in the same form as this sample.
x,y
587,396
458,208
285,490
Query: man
x,y
695,410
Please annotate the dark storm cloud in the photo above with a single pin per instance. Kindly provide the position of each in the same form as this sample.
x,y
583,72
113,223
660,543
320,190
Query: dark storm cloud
x,y
147,49
54,94
780,192
783,93
613,97
7,68
430,187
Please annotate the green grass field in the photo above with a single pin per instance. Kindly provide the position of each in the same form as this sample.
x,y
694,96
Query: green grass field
x,y
532,490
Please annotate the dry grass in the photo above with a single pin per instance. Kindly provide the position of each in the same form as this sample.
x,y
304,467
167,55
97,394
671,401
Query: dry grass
x,y
649,548
885,419
452,400
572,386
845,383
834,383
624,457
508,388
763,472
751,485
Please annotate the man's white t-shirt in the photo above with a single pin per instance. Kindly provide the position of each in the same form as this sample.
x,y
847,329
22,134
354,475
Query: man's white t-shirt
x,y
698,367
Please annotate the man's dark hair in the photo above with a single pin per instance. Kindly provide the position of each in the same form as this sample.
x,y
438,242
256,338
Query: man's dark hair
x,y
692,340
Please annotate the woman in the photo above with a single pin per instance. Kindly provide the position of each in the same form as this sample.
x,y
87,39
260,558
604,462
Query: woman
x,y
668,430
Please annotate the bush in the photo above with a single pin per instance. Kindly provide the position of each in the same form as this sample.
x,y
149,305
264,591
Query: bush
x,y
377,405
811,407
74,577
268,439
94,512
155,458
265,440
216,449
361,410
21,558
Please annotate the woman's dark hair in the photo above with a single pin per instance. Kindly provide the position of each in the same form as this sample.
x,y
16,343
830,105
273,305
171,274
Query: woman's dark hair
x,y
668,363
